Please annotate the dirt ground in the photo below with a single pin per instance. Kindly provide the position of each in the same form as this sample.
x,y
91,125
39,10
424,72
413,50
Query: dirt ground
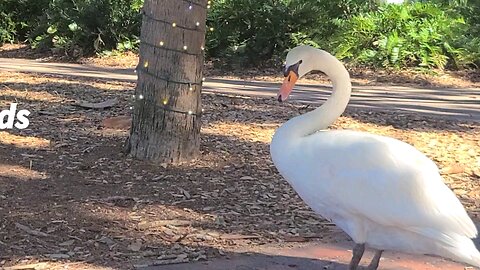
x,y
70,197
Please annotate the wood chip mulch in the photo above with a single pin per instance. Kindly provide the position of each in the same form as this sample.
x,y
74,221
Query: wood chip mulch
x,y
70,197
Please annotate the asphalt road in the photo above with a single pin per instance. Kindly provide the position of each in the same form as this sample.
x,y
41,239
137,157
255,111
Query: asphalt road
x,y
458,103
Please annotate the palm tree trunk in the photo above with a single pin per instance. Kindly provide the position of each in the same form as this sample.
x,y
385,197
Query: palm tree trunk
x,y
167,112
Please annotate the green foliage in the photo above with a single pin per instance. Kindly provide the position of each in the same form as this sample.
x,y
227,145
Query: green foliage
x,y
470,41
88,26
428,33
418,34
19,17
248,32
330,11
74,26
7,28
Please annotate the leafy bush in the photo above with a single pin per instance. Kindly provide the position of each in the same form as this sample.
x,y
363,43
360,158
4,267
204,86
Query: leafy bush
x,y
468,9
429,33
248,32
470,41
330,11
80,27
418,34
7,28
76,27
19,17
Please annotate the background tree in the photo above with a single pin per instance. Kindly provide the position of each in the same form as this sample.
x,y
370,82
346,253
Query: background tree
x,y
166,116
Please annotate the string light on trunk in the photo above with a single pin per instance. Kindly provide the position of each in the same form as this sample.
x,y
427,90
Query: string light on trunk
x,y
143,67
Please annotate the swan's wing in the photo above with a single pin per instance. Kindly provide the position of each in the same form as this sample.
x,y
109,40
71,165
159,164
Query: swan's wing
x,y
391,183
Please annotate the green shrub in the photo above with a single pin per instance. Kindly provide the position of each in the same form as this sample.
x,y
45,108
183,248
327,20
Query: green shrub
x,y
22,16
470,41
84,27
249,32
429,33
418,34
7,28
330,11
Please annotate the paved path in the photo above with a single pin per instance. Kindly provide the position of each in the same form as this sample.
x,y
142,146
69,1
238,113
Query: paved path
x,y
461,104
313,256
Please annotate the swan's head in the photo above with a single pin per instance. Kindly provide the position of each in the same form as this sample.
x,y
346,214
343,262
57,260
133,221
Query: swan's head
x,y
298,64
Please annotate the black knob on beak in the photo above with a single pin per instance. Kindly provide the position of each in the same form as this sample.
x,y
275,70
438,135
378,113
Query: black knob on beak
x,y
280,98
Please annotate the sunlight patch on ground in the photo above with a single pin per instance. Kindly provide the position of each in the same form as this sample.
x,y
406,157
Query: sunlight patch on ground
x,y
248,132
8,95
155,224
19,141
19,172
132,212
36,82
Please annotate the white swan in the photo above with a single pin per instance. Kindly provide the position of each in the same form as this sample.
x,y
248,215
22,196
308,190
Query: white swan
x,y
382,192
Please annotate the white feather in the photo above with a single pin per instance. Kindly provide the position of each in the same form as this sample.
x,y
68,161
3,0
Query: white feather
x,y
380,191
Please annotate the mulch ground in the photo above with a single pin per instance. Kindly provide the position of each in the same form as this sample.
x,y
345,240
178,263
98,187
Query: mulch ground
x,y
69,196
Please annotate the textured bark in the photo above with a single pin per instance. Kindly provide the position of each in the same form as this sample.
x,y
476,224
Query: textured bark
x,y
158,134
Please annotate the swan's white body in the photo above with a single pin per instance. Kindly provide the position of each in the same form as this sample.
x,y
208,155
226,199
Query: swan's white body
x,y
380,191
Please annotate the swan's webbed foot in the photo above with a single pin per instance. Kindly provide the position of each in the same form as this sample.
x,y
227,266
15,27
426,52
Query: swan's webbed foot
x,y
358,251
375,261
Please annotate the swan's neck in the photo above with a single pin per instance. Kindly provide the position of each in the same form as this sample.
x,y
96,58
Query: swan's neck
x,y
325,115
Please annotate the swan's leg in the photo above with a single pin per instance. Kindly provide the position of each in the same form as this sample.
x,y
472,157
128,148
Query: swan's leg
x,y
357,256
375,261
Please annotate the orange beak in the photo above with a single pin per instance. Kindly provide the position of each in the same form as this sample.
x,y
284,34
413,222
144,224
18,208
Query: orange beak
x,y
287,86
